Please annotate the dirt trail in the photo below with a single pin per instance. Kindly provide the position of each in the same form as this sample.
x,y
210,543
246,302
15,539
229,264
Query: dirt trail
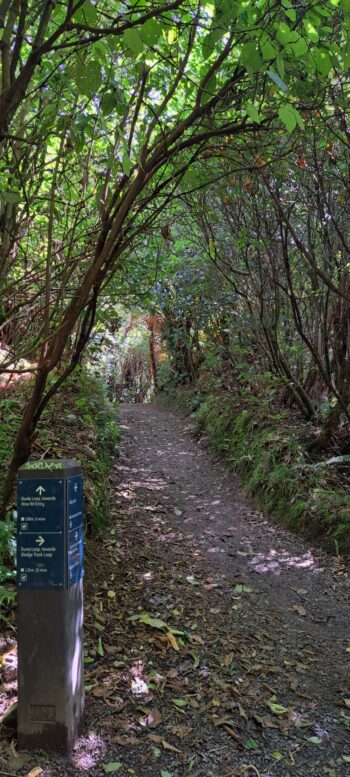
x,y
299,592
218,645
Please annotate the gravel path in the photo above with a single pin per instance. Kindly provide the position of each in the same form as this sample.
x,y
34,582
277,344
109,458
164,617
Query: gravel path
x,y
218,643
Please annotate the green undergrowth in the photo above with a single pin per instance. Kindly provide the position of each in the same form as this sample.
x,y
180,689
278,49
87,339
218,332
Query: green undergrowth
x,y
266,447
78,423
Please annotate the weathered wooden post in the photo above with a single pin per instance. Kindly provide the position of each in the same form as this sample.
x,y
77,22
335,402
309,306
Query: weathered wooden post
x,y
50,604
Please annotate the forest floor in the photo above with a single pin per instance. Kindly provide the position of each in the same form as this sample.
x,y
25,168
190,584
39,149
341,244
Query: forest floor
x,y
218,644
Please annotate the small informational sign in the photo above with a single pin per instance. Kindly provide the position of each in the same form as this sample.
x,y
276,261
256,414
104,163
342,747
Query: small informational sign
x,y
50,531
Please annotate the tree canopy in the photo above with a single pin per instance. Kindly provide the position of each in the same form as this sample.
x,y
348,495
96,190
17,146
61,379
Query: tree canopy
x,y
128,125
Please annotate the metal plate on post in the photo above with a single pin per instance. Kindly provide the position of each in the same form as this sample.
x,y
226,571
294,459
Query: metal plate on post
x,y
75,529
41,533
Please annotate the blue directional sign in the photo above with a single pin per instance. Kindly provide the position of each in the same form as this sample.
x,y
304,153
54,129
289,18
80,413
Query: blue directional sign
x,y
49,528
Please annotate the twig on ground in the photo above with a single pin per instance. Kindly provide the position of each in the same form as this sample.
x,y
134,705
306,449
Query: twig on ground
x,y
250,767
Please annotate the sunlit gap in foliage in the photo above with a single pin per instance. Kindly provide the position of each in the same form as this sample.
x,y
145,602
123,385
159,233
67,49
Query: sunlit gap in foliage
x,y
125,351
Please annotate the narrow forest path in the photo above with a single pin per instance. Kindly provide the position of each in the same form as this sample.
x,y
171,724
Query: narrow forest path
x,y
284,601
218,645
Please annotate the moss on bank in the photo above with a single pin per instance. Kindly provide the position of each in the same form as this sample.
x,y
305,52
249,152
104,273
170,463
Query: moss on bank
x,y
267,448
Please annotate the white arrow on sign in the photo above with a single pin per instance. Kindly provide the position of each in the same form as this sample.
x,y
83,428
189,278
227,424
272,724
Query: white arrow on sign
x,y
40,541
40,490
75,487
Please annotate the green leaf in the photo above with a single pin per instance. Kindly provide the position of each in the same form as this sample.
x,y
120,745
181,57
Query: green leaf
x,y
291,13
164,773
250,57
100,647
109,102
112,766
155,623
268,51
300,120
323,62
277,709
253,112
126,164
277,80
226,10
280,66
300,47
11,197
277,756
86,14
311,31
314,740
180,702
209,89
346,758
251,744
288,117
132,41
88,77
210,41
150,32
283,32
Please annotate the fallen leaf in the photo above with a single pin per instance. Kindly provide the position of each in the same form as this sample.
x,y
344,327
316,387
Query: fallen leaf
x,y
171,639
111,767
299,609
228,725
277,709
277,756
243,589
191,579
314,740
152,720
155,623
168,746
155,738
35,772
126,740
251,744
180,731
196,660
242,712
99,693
179,702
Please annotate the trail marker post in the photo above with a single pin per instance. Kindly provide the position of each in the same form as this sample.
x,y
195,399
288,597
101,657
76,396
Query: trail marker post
x,y
50,534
